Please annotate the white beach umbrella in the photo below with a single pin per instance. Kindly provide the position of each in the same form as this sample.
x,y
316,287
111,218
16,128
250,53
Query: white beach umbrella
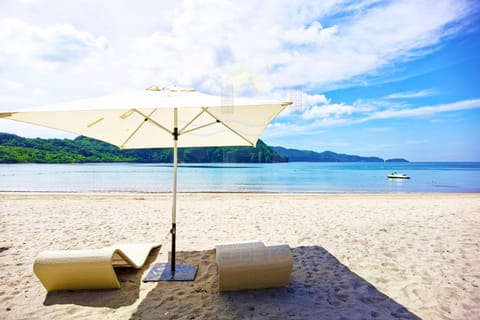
x,y
160,117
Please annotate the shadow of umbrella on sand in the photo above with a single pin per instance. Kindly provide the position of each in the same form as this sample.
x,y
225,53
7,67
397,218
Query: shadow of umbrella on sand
x,y
321,287
160,117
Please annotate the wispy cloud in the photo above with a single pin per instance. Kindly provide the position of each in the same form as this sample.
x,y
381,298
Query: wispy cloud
x,y
422,111
412,94
279,129
319,118
328,110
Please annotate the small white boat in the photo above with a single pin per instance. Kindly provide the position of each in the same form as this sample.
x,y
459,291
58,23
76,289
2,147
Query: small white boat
x,y
396,175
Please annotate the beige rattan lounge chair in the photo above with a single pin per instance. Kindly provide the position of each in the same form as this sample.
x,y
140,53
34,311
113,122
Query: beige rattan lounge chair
x,y
230,248
88,269
252,265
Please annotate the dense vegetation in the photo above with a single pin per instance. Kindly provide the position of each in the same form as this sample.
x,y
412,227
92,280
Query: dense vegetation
x,y
15,149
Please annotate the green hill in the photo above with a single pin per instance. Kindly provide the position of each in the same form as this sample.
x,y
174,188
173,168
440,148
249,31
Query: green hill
x,y
15,149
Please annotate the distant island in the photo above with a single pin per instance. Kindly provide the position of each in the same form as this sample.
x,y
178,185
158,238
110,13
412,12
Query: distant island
x,y
295,155
396,160
16,149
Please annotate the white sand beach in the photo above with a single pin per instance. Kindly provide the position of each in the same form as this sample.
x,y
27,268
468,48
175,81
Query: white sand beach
x,y
356,256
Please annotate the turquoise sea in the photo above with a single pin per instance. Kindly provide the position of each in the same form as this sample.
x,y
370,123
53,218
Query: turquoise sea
x,y
279,177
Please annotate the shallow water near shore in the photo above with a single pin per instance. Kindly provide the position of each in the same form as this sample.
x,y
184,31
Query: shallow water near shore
x,y
434,177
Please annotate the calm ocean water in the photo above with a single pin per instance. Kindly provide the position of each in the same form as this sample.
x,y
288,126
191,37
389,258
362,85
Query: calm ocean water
x,y
279,177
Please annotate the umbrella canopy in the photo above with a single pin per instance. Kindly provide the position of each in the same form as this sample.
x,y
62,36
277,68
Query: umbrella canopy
x,y
145,118
160,117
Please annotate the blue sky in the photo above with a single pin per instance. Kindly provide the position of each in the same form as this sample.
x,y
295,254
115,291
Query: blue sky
x,y
374,78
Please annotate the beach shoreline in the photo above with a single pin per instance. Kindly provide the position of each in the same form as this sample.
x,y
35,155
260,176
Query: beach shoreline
x,y
383,252
130,194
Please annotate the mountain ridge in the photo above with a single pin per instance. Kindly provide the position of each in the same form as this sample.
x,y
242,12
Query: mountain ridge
x,y
296,155
16,149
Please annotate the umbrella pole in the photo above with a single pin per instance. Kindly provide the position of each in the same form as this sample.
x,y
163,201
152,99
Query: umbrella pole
x,y
171,271
174,201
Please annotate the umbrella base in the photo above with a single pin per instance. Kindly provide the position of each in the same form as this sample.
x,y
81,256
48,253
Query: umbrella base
x,y
162,272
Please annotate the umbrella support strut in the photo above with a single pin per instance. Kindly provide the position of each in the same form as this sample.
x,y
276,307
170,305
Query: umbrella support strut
x,y
172,271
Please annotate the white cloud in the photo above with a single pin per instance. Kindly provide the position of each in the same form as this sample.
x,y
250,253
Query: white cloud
x,y
208,44
10,85
335,110
302,101
37,47
283,45
314,34
313,99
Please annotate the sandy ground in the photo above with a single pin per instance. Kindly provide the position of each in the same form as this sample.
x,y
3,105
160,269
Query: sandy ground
x,y
404,256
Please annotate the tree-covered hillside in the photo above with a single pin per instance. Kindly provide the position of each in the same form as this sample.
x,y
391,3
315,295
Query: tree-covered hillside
x,y
15,149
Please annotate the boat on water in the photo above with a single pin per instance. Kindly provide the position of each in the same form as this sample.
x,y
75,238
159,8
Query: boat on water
x,y
396,175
